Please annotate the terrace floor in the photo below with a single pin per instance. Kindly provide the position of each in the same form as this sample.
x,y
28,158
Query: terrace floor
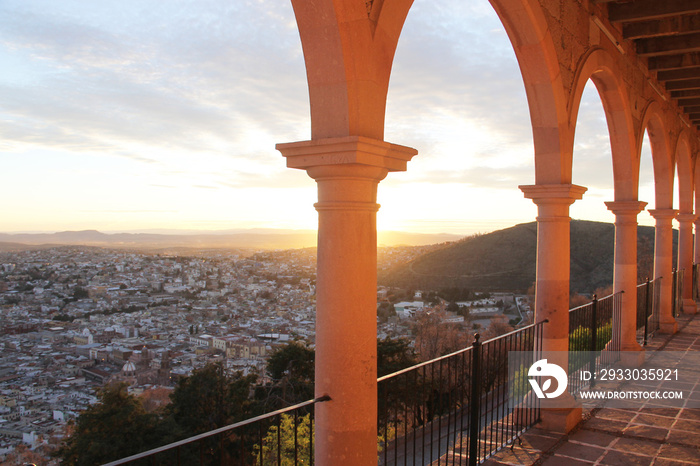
x,y
639,435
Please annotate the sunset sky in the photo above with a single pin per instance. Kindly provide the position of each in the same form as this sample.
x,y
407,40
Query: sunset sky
x,y
142,115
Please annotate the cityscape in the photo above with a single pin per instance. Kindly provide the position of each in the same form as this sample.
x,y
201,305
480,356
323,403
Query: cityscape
x,y
75,319
349,233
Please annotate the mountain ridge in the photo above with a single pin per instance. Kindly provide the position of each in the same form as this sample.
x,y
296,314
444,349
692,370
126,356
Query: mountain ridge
x,y
253,238
505,260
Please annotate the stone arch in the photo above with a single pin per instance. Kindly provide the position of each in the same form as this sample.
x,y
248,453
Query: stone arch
x,y
599,66
348,96
662,156
348,52
528,32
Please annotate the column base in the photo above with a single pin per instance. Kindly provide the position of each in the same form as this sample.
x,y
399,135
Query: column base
x,y
689,307
562,420
668,327
631,358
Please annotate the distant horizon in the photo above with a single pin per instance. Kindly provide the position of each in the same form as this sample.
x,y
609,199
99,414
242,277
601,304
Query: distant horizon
x,y
273,229
169,121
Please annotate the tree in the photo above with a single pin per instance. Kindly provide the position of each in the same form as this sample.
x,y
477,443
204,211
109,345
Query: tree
x,y
209,399
282,445
295,360
394,355
499,326
453,307
116,427
22,455
292,368
436,338
385,310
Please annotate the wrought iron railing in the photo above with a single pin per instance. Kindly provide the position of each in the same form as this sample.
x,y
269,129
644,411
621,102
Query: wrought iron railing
x,y
590,331
280,437
648,309
455,409
677,292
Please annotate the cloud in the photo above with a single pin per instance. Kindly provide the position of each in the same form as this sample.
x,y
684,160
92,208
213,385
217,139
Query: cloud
x,y
194,77
195,93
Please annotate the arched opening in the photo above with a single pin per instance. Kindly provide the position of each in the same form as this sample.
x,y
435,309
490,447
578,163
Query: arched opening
x,y
592,161
457,95
647,187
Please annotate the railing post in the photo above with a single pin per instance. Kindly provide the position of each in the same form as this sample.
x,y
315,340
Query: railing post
x,y
674,293
594,335
475,403
646,312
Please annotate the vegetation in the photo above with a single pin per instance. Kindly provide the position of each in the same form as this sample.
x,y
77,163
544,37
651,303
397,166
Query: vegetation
x,y
505,260
116,427
291,367
289,441
121,424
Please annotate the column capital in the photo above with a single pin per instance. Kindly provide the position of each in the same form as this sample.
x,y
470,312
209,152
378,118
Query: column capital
x,y
626,207
553,193
684,217
663,214
349,150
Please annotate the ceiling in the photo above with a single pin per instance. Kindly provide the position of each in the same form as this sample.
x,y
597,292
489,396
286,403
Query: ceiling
x,y
667,34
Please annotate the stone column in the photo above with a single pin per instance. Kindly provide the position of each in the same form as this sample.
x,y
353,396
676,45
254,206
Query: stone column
x,y
625,280
552,288
685,258
696,250
347,171
663,266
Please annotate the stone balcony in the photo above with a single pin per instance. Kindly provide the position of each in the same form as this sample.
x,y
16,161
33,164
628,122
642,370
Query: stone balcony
x,y
640,435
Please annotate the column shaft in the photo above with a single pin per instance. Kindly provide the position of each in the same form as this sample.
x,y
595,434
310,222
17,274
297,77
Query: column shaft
x,y
625,273
663,267
347,172
685,259
552,291
553,259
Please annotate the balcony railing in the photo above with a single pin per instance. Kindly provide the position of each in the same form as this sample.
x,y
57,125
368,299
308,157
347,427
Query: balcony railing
x,y
455,409
281,437
590,331
677,288
648,309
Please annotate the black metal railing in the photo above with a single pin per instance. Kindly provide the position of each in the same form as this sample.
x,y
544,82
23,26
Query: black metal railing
x,y
282,437
677,292
648,309
590,331
456,409
696,275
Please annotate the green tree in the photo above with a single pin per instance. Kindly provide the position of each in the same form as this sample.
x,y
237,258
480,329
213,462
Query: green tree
x,y
453,307
292,368
209,399
278,446
116,427
394,355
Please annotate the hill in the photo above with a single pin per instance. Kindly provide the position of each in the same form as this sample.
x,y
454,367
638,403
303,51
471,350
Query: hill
x,y
254,238
504,260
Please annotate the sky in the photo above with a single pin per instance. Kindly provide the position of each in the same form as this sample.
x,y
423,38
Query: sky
x,y
151,115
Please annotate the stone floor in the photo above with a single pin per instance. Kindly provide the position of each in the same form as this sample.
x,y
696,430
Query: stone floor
x,y
631,435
